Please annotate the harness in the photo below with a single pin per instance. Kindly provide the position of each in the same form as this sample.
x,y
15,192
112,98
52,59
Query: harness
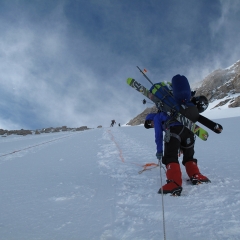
x,y
168,134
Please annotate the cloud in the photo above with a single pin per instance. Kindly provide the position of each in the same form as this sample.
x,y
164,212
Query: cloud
x,y
66,62
48,82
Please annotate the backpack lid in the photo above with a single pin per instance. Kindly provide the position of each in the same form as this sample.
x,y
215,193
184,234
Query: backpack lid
x,y
181,89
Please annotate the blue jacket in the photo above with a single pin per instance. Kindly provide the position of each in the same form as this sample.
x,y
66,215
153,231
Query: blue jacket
x,y
159,119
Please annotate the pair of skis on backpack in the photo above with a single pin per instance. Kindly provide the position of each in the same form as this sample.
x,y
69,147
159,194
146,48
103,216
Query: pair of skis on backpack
x,y
160,104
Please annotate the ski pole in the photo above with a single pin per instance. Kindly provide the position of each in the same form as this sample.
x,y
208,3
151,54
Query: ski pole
x,y
144,75
147,77
157,88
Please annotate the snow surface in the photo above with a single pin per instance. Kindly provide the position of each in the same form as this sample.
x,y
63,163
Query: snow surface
x,y
222,111
86,185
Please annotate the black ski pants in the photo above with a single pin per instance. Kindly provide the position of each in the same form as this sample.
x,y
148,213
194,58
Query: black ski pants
x,y
185,143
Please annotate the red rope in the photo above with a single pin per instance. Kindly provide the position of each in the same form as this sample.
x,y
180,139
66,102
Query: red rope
x,y
119,149
34,146
147,165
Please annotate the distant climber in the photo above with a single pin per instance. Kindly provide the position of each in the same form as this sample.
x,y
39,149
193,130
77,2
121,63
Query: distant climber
x,y
113,122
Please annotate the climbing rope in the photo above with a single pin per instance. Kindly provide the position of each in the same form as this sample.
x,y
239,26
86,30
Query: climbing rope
x,y
35,145
163,212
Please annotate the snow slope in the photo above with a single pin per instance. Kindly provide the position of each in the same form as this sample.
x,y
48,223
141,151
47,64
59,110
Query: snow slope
x,y
224,111
86,185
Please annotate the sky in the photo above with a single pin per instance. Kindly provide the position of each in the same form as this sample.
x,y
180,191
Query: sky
x,y
65,62
87,185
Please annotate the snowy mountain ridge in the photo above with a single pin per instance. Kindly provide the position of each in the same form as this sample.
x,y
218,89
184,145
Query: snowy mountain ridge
x,y
222,83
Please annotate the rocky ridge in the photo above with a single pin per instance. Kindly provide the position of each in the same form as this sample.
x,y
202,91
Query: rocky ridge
x,y
23,132
139,119
222,83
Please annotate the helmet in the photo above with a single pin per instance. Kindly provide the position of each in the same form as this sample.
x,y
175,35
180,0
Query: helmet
x,y
201,103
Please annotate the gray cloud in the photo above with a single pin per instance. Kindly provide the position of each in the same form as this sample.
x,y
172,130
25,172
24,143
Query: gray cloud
x,y
66,62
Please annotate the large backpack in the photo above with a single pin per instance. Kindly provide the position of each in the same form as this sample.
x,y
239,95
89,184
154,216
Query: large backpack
x,y
177,95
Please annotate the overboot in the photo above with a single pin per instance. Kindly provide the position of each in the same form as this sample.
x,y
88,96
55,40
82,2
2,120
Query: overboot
x,y
174,180
194,174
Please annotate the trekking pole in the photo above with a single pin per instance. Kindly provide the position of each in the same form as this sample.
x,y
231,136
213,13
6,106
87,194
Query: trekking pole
x,y
157,88
144,75
147,77
164,228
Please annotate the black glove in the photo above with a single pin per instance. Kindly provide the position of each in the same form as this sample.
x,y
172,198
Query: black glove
x,y
159,155
193,93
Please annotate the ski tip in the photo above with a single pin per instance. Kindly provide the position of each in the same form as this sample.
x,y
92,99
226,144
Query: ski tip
x,y
201,133
129,80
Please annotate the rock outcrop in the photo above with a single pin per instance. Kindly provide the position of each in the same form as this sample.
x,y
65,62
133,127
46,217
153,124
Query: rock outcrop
x,y
139,119
222,83
39,131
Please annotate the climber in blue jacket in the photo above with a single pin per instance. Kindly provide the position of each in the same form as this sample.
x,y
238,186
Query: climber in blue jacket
x,y
176,138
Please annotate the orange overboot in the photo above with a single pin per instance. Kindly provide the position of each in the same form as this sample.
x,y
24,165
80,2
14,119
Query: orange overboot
x,y
193,172
174,180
